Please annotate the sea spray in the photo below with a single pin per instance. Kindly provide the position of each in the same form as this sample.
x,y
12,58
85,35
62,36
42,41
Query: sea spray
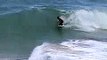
x,y
86,20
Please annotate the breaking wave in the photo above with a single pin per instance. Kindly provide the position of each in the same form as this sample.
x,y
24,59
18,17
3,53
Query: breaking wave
x,y
85,20
71,50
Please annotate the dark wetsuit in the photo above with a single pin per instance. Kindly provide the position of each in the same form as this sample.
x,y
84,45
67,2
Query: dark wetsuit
x,y
60,21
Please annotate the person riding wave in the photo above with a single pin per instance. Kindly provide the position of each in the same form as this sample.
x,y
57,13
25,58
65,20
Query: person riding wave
x,y
60,21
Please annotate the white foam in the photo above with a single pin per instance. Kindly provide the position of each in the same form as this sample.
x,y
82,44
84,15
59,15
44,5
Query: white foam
x,y
71,50
85,20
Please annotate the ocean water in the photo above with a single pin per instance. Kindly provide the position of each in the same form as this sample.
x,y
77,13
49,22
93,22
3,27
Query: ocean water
x,y
28,30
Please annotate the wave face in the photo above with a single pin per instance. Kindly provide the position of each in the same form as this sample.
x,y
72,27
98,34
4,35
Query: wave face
x,y
71,50
30,21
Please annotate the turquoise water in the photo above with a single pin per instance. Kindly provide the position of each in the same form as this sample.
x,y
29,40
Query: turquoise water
x,y
28,27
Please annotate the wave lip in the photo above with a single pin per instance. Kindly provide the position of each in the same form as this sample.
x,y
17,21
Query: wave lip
x,y
71,50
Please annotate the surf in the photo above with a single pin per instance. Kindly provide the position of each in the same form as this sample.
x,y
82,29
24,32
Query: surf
x,y
34,23
70,50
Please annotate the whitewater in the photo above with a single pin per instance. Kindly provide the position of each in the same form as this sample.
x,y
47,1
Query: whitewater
x,y
85,20
71,50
